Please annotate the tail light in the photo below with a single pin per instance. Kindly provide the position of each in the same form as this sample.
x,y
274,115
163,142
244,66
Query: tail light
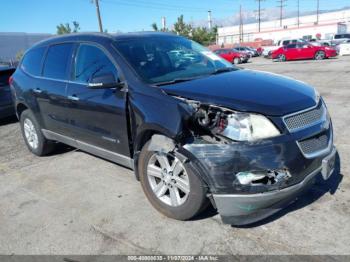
x,y
10,80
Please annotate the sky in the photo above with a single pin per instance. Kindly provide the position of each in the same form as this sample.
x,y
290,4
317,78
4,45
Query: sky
x,y
42,16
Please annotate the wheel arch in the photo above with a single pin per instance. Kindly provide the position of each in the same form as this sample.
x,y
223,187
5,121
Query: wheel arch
x,y
20,108
140,140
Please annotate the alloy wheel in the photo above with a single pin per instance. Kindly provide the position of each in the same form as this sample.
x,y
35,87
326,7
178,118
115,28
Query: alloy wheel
x,y
319,56
30,133
281,58
168,179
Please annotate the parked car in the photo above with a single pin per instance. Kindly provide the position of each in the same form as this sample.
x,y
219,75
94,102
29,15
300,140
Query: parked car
x,y
267,52
6,104
232,55
194,132
341,38
250,51
344,48
303,51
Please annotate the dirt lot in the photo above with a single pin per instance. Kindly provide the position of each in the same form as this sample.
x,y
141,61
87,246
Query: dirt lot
x,y
74,203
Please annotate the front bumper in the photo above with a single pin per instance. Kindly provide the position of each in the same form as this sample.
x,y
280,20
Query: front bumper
x,y
292,160
238,209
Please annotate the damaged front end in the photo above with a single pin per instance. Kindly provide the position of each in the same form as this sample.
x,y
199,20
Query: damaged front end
x,y
252,165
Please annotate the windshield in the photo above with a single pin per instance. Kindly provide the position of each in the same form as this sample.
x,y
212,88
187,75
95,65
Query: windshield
x,y
161,59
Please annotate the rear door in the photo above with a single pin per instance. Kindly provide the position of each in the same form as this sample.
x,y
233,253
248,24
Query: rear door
x,y
97,116
50,91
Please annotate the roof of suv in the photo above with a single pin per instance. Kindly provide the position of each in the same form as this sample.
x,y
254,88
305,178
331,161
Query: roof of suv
x,y
98,37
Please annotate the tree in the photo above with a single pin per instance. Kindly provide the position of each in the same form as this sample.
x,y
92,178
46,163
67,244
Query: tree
x,y
181,28
201,35
19,55
155,27
66,28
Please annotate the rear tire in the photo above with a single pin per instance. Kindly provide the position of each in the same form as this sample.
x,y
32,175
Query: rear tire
x,y
320,55
32,135
155,184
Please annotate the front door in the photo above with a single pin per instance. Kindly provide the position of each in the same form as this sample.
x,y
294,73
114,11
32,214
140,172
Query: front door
x,y
97,116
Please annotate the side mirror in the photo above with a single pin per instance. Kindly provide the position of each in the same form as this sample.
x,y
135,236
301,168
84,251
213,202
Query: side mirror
x,y
104,81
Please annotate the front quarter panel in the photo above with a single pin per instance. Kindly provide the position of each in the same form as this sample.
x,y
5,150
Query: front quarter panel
x,y
154,111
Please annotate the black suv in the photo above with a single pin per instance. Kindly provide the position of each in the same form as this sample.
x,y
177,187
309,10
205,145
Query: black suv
x,y
195,128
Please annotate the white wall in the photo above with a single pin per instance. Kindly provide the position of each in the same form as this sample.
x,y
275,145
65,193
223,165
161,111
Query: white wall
x,y
271,30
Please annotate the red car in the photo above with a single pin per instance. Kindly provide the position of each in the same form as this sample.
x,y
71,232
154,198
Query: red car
x,y
298,51
232,56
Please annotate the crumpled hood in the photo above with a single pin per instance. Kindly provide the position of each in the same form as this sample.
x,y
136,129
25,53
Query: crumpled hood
x,y
248,90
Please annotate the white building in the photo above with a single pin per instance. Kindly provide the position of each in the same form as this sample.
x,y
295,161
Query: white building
x,y
328,25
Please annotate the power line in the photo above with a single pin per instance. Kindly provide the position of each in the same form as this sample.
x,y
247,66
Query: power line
x,y
156,5
281,6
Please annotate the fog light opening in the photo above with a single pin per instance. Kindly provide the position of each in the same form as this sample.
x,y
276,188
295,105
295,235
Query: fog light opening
x,y
262,178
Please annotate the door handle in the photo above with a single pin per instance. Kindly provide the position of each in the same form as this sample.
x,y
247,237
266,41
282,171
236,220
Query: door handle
x,y
73,98
37,90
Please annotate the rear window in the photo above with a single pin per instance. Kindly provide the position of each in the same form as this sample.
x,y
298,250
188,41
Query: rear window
x,y
31,62
57,61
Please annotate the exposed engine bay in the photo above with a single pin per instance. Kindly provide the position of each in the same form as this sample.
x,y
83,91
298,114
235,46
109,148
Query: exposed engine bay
x,y
208,121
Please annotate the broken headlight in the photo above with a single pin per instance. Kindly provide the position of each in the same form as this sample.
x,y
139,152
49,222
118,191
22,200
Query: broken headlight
x,y
248,127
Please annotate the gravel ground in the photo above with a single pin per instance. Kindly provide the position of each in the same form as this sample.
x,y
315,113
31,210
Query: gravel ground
x,y
74,203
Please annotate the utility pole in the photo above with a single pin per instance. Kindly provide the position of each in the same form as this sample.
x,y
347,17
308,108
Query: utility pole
x,y
298,14
281,5
98,15
240,24
318,11
259,12
163,23
210,21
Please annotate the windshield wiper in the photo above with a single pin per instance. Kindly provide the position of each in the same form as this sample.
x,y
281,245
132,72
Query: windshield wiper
x,y
174,81
223,70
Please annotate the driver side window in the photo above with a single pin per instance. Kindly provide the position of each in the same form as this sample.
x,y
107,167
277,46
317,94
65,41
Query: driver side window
x,y
91,62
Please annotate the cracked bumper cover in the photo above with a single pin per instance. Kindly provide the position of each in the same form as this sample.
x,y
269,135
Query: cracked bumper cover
x,y
236,209
239,204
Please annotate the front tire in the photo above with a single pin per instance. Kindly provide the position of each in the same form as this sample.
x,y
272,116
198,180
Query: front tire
x,y
282,58
172,187
32,135
236,61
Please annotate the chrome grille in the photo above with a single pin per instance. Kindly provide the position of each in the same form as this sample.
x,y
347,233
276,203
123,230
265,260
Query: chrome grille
x,y
314,145
305,119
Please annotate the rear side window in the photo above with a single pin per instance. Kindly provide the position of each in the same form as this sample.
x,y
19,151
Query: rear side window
x,y
91,61
31,62
57,60
286,42
291,46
